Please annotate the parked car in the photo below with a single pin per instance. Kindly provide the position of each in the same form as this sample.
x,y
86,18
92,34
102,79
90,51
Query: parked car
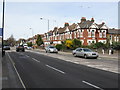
x,y
20,48
51,49
29,48
85,52
6,47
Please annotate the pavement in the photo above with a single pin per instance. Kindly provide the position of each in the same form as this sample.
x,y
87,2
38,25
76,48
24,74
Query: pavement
x,y
39,70
0,71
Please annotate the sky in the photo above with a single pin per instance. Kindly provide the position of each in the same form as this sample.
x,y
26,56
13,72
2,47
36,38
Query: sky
x,y
22,19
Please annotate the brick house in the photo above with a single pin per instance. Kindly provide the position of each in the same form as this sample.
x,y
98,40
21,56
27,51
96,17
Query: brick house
x,y
87,31
113,35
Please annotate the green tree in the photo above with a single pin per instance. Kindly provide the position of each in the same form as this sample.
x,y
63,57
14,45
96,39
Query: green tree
x,y
76,43
11,41
39,40
29,44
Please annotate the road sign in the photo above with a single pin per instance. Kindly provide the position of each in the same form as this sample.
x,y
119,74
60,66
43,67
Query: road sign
x,y
1,31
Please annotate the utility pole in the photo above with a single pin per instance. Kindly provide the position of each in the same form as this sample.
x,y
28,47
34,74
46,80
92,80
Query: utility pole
x,y
3,52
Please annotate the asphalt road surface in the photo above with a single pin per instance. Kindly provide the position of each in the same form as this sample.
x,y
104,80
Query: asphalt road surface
x,y
40,71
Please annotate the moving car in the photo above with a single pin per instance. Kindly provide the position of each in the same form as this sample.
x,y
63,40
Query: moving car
x,y
6,47
51,49
20,48
85,52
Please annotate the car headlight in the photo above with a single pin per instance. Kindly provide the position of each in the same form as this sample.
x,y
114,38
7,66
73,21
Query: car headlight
x,y
89,54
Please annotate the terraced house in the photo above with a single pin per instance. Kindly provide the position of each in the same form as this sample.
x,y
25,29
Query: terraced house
x,y
87,31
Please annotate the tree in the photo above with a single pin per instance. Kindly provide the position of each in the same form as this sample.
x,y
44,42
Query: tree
x,y
39,40
11,41
76,43
29,44
69,43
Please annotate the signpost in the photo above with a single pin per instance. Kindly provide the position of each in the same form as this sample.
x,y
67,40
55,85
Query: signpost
x,y
2,31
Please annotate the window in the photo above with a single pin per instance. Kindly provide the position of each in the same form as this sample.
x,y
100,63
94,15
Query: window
x,y
100,34
81,34
89,33
79,49
104,34
93,33
117,39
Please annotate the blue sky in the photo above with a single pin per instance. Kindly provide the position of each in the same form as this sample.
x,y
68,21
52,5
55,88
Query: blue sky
x,y
21,16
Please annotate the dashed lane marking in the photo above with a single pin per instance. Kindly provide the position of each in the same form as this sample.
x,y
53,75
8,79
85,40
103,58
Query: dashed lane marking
x,y
55,69
92,85
35,60
27,56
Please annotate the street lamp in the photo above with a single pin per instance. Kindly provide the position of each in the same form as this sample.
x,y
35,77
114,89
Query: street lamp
x,y
32,34
48,22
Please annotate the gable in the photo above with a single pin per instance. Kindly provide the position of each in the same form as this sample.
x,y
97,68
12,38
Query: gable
x,y
67,30
104,27
93,26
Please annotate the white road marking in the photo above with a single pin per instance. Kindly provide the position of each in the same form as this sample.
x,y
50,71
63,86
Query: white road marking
x,y
94,65
35,60
16,71
27,56
55,69
92,85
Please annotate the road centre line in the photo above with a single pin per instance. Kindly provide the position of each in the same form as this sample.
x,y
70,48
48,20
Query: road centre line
x,y
35,60
55,69
16,71
92,85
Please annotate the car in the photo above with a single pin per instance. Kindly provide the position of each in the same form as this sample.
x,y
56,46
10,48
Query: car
x,y
20,48
29,48
25,46
6,47
51,49
85,52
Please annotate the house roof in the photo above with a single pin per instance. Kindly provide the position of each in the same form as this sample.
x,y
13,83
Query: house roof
x,y
72,27
100,25
114,31
55,29
61,30
85,24
50,32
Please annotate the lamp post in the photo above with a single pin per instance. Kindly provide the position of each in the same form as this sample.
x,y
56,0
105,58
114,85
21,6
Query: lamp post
x,y
48,22
32,34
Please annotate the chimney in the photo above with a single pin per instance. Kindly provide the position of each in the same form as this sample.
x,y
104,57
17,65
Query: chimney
x,y
92,19
83,19
103,22
66,24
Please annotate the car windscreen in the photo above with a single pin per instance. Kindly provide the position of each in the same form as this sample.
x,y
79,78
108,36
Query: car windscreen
x,y
87,50
51,47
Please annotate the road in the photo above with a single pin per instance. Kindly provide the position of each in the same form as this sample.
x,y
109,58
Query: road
x,y
40,71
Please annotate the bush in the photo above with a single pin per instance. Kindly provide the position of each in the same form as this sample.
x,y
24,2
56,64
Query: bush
x,y
116,45
59,47
68,44
29,44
